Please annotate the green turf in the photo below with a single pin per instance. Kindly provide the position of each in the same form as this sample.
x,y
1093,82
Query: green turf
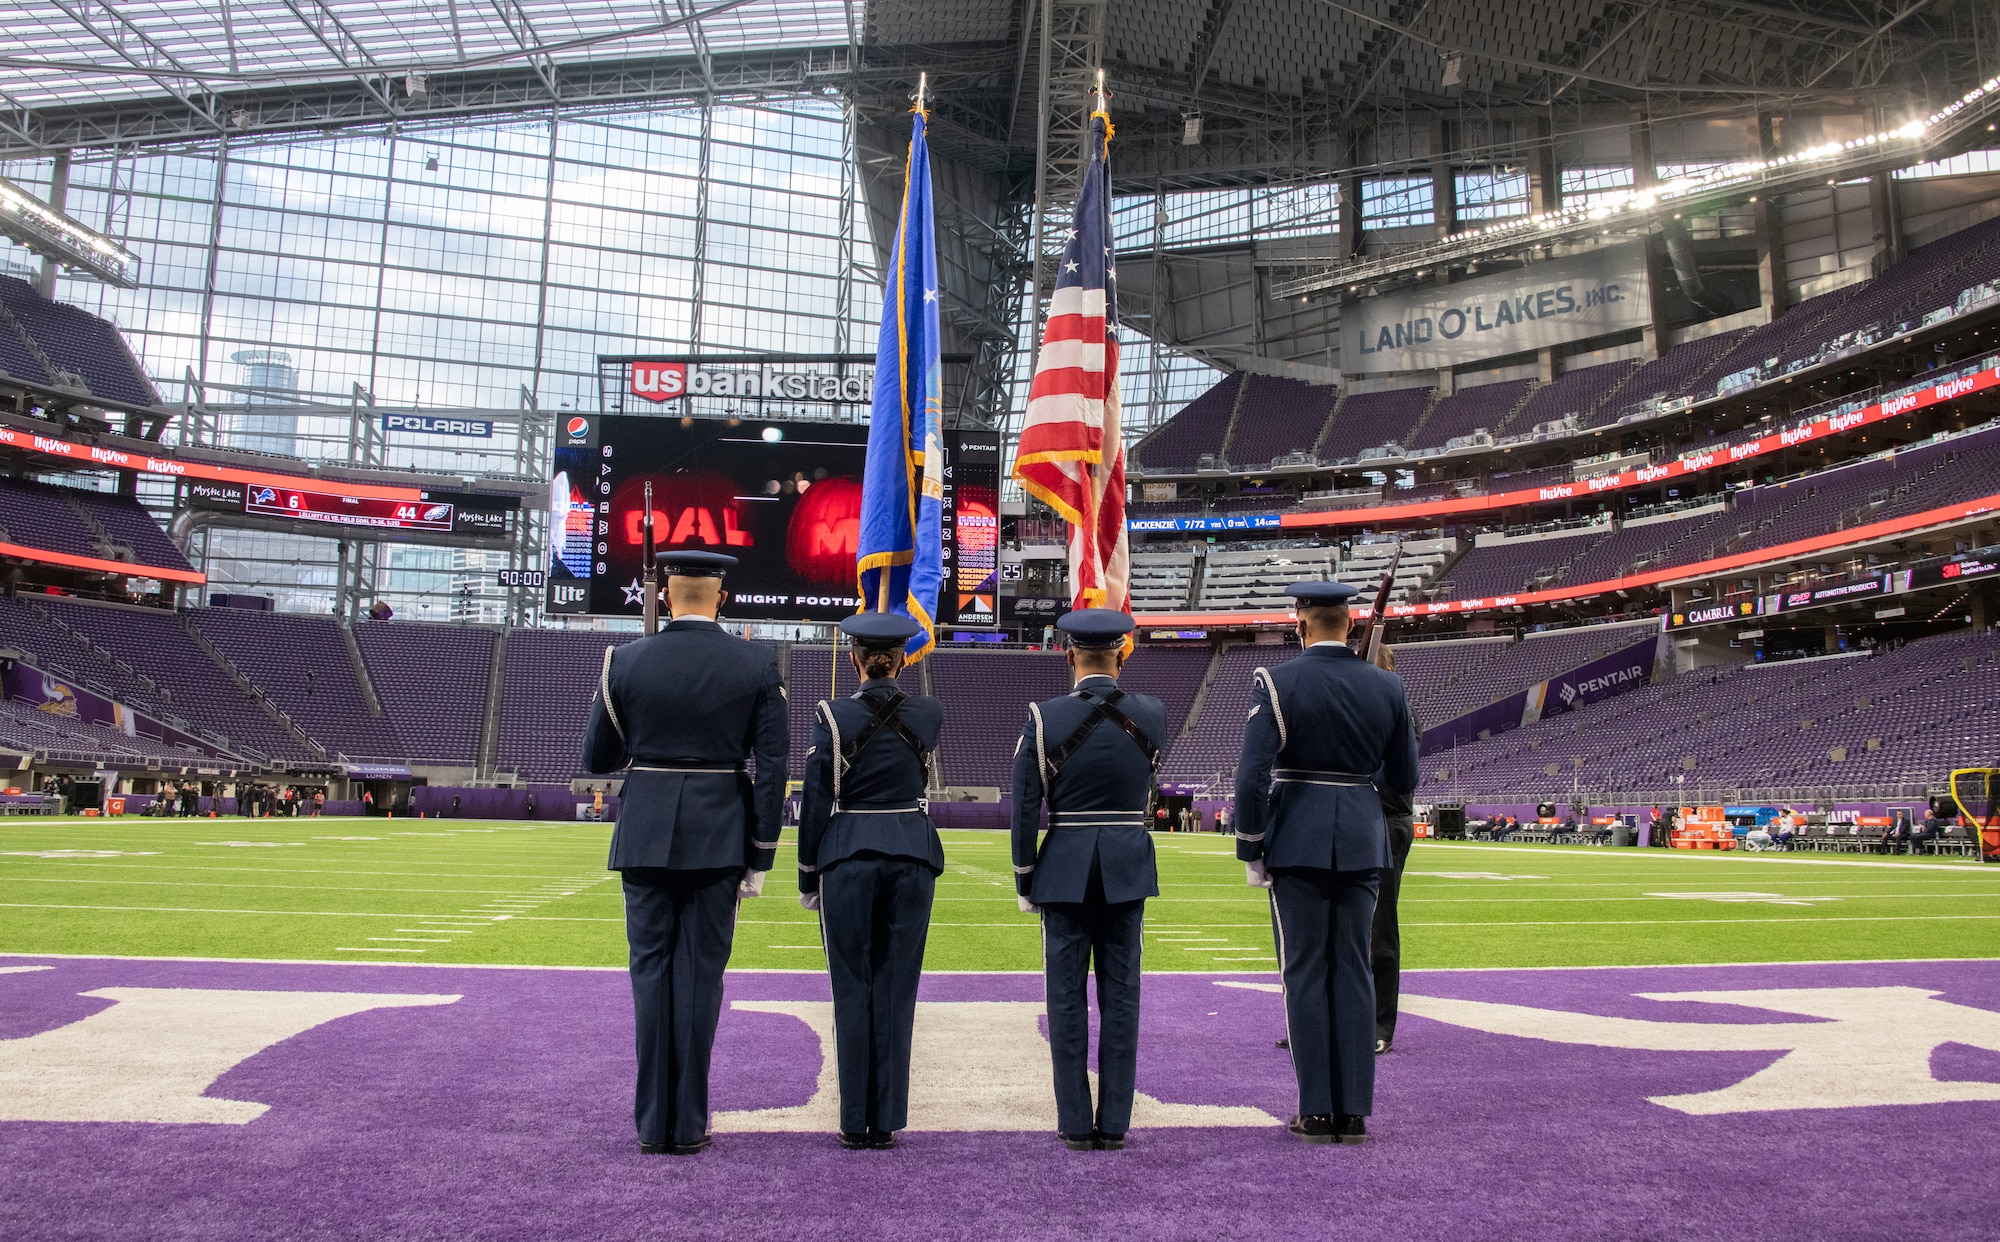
x,y
502,892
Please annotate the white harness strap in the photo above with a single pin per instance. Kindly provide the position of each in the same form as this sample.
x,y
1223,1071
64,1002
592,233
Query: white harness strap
x,y
1277,713
604,689
833,727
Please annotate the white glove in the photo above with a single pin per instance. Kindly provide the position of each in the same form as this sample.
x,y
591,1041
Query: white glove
x,y
751,885
809,901
1027,907
1256,874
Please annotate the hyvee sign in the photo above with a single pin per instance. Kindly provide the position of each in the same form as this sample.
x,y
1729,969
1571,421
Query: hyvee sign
x,y
669,381
1544,304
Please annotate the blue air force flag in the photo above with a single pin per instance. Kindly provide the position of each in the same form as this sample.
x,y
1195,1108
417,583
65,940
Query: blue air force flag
x,y
900,556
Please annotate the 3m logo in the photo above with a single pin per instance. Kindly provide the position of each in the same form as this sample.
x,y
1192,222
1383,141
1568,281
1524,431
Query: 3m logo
x,y
659,381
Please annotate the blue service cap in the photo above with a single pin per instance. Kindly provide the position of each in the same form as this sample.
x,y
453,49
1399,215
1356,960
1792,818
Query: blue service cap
x,y
1094,629
694,563
879,629
1322,593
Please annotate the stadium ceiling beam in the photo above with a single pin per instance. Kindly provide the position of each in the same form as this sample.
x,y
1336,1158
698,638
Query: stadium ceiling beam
x,y
1792,13
157,62
343,46
1549,67
1205,45
16,120
515,19
1379,51
1874,38
696,35
329,107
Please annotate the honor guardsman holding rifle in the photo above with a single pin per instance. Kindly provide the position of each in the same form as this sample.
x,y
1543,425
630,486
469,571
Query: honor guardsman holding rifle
x,y
687,709
1328,733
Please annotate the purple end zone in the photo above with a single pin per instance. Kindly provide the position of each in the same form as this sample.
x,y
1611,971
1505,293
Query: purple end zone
x,y
506,1114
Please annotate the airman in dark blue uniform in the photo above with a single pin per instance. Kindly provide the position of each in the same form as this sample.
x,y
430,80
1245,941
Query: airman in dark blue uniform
x,y
686,709
868,862
1328,735
1090,757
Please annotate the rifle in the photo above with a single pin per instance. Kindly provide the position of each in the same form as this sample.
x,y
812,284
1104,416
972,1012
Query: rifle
x,y
649,572
1370,638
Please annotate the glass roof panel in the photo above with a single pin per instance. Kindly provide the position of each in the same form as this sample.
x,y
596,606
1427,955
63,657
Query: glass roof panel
x,y
72,52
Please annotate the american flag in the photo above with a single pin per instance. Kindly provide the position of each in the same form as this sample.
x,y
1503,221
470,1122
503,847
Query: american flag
x,y
1071,455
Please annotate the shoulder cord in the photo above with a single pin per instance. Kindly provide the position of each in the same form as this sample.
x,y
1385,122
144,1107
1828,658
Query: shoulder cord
x,y
604,689
839,763
1277,712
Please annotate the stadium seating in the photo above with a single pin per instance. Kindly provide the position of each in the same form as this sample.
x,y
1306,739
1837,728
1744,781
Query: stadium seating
x,y
1161,580
1899,717
1522,664
301,664
166,669
545,696
1197,431
80,342
1577,394
1369,420
432,680
1431,669
1678,372
1279,416
74,522
1487,408
1208,753
986,696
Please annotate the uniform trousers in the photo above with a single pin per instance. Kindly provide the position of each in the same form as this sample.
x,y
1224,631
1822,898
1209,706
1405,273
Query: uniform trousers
x,y
1075,937
680,925
1323,923
874,914
1385,946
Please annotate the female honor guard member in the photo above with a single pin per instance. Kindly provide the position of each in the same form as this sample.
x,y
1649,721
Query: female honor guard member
x,y
1328,735
868,862
687,708
1090,755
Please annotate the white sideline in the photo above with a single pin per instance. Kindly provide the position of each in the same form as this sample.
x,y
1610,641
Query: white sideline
x,y
1026,974
1711,855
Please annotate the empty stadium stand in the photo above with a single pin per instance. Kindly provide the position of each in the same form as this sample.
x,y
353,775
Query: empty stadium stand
x,y
75,341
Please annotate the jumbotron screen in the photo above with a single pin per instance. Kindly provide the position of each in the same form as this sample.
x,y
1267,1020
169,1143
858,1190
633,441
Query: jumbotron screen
x,y
784,498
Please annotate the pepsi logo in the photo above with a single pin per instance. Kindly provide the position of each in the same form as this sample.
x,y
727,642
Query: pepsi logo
x,y
577,426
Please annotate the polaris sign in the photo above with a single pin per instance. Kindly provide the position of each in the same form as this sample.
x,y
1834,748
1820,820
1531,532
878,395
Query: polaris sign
x,y
438,425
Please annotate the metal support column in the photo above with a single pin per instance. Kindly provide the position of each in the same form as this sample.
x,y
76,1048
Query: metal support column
x,y
214,256
1072,47
45,281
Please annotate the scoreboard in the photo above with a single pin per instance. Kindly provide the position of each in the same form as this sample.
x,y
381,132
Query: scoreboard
x,y
783,497
438,512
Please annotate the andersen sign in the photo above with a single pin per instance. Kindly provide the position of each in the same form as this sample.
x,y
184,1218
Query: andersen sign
x,y
1568,299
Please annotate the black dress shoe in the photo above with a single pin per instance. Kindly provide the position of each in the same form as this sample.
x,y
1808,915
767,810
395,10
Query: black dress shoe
x,y
881,1140
1078,1142
1350,1129
675,1149
1313,1128
1109,1142
1383,1045
854,1140
1284,1043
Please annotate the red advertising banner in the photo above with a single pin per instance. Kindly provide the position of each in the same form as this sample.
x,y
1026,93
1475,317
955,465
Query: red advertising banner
x,y
148,463
1693,463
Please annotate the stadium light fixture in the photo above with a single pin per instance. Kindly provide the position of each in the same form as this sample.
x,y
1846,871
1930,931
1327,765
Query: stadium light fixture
x,y
54,235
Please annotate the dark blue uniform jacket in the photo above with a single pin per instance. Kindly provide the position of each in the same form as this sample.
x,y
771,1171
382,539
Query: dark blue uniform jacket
x,y
1097,805
874,805
687,709
1328,735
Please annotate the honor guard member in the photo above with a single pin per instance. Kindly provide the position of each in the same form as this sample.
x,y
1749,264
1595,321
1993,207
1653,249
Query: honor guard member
x,y
686,709
1090,756
1328,734
868,862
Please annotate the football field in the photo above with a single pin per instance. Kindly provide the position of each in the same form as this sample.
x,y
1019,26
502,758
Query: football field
x,y
509,893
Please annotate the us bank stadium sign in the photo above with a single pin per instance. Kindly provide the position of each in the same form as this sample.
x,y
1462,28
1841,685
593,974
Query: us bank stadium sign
x,y
834,383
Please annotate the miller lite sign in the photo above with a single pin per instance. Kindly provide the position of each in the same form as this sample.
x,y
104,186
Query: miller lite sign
x,y
659,381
